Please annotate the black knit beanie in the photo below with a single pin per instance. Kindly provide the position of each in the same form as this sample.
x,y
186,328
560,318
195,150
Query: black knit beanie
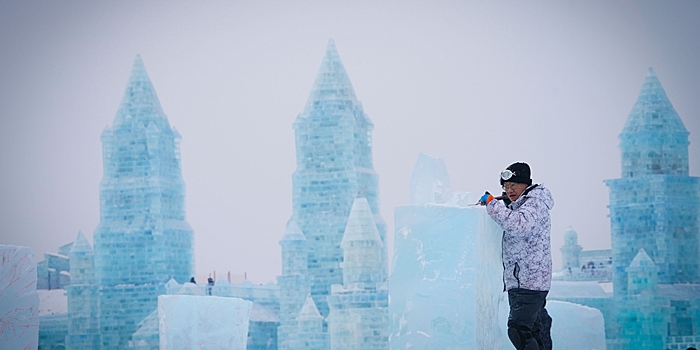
x,y
517,172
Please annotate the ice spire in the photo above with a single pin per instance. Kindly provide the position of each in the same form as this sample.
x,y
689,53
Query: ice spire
x,y
654,139
293,232
653,111
362,247
140,100
332,82
81,244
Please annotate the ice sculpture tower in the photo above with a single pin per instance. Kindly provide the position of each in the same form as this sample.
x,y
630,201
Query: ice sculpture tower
x,y
654,205
359,308
334,166
143,239
293,284
83,326
570,250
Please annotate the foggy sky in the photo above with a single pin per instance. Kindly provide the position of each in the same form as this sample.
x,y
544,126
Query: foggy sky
x,y
479,84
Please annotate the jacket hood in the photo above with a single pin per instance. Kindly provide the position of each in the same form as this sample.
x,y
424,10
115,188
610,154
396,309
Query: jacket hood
x,y
539,192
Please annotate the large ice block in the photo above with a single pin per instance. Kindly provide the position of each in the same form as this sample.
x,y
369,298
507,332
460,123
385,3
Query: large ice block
x,y
203,322
574,326
19,301
446,279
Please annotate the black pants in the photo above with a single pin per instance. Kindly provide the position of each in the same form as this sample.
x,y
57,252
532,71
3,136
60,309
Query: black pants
x,y
529,319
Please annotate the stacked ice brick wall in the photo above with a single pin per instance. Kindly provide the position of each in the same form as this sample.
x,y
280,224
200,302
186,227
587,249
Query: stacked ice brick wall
x,y
359,316
334,166
655,204
143,239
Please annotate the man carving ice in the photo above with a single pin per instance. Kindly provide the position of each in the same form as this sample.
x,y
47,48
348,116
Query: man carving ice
x,y
523,213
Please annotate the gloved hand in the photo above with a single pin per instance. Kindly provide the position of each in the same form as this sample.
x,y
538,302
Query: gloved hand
x,y
505,199
486,198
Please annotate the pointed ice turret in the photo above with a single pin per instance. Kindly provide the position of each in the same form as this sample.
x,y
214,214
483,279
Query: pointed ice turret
x,y
82,261
332,83
642,274
81,244
83,309
362,247
309,335
293,283
140,100
654,139
294,251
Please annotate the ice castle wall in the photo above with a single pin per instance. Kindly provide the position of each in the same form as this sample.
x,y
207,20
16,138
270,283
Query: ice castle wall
x,y
334,165
142,239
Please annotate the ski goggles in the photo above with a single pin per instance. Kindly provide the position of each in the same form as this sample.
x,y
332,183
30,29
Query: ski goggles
x,y
507,174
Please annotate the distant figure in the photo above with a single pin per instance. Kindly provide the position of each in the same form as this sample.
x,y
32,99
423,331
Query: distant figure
x,y
210,285
192,280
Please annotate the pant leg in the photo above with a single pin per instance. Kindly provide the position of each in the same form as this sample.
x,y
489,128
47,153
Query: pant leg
x,y
546,326
525,306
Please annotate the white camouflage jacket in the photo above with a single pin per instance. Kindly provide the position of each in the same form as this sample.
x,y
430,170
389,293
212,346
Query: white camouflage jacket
x,y
527,256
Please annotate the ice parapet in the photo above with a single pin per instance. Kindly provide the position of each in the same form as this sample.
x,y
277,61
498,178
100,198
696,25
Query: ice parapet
x,y
19,300
430,182
575,327
446,279
203,322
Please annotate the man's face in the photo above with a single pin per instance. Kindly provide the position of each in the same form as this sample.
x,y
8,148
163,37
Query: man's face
x,y
514,190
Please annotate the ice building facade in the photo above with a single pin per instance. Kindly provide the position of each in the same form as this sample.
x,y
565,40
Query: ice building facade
x,y
334,166
655,204
654,302
143,239
654,219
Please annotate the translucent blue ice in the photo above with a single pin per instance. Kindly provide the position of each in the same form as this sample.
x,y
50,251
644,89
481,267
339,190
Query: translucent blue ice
x,y
143,238
334,166
446,279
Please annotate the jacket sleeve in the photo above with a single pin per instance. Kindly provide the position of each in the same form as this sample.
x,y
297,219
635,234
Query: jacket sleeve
x,y
520,221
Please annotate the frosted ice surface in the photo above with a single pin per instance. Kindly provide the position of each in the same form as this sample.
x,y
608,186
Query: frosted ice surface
x,y
574,326
203,322
430,182
446,279
19,301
